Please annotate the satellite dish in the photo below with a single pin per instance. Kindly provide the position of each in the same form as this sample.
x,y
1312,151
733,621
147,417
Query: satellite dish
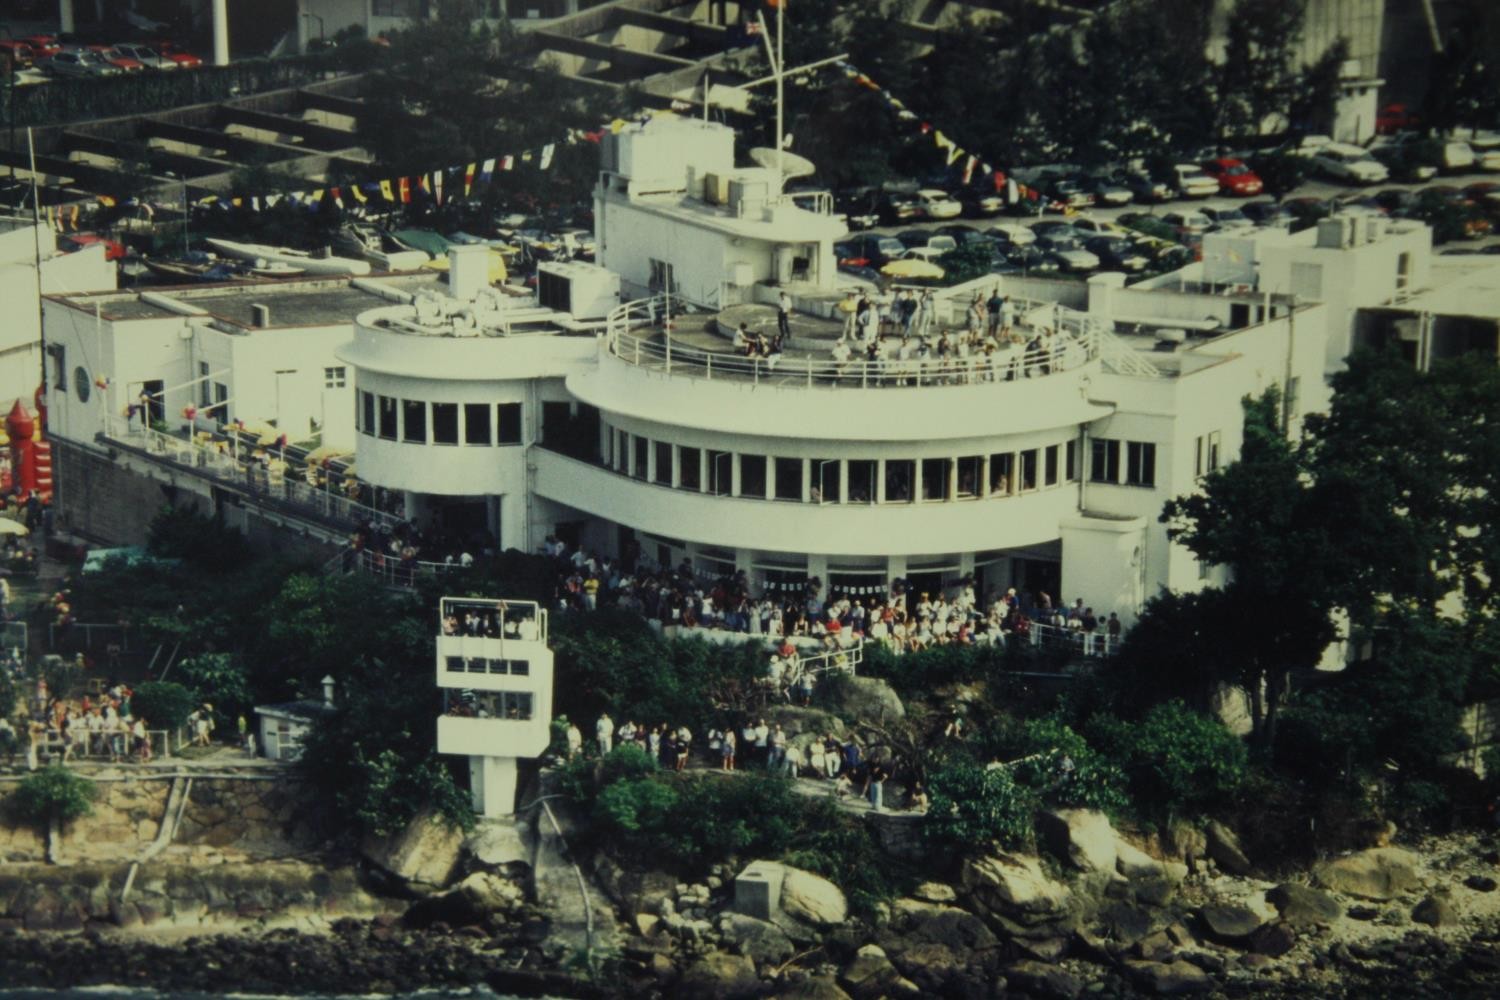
x,y
792,165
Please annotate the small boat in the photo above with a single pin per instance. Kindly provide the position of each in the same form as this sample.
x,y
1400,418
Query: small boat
x,y
256,253
378,247
192,270
276,269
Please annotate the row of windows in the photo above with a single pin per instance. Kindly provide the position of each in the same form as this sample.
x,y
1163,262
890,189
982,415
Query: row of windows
x,y
491,705
848,481
417,421
1139,465
481,665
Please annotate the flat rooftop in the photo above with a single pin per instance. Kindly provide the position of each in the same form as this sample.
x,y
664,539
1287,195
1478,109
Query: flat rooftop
x,y
297,302
1459,286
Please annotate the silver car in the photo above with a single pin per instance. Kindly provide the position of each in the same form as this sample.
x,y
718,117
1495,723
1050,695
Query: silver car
x,y
145,55
80,64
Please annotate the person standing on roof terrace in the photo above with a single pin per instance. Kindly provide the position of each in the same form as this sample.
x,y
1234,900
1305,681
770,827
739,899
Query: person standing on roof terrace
x,y
784,314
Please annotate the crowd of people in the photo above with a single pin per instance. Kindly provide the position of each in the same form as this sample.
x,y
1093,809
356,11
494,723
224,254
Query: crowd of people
x,y
750,743
396,549
101,726
897,618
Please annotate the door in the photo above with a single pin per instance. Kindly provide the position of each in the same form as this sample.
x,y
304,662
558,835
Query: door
x,y
156,404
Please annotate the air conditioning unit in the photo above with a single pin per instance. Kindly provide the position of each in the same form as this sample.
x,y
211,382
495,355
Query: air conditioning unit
x,y
580,289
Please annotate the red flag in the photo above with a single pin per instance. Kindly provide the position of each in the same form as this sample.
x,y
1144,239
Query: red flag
x,y
405,190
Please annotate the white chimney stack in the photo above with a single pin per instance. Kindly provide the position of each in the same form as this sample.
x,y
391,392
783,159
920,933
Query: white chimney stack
x,y
468,271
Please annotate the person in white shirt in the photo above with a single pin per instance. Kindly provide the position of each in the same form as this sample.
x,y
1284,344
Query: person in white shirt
x,y
604,731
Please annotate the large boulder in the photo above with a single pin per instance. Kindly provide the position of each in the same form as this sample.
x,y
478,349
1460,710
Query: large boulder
x,y
918,923
1435,911
1379,873
423,855
1229,923
1224,848
870,974
1014,886
1169,978
1132,862
871,698
812,898
1303,906
469,902
762,941
718,975
1081,837
1043,981
813,988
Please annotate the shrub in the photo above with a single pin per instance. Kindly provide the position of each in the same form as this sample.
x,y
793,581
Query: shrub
x,y
163,704
1040,746
54,793
636,806
1178,762
972,804
841,848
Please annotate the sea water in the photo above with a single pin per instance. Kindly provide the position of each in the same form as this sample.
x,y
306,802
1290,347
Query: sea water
x,y
131,993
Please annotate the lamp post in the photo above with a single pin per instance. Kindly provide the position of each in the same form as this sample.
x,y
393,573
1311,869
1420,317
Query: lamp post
x,y
322,29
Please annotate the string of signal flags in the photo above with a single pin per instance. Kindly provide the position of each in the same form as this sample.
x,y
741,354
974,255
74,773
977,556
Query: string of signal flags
x,y
466,181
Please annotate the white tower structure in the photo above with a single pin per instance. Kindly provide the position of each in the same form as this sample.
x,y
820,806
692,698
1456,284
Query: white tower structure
x,y
495,670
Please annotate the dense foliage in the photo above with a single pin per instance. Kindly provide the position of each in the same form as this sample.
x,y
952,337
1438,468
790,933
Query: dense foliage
x,y
163,704
973,804
53,794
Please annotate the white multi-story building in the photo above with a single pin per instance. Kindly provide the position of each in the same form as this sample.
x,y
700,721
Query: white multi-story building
x,y
495,671
632,427
24,246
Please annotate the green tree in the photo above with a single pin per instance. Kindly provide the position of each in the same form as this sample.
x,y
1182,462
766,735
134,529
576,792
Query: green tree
x,y
163,704
1463,87
971,805
219,679
200,539
1179,762
1280,172
1258,78
54,795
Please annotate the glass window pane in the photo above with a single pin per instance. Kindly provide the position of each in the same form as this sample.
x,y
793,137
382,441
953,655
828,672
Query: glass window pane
x,y
663,464
899,474
934,479
789,479
367,412
825,480
414,421
1049,466
689,462
388,418
1028,469
968,477
509,421
861,481
753,476
477,424
1002,468
445,423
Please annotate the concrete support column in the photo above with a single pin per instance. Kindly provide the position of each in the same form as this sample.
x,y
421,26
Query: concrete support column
x,y
221,32
965,564
734,473
817,566
651,462
676,467
807,480
66,23
880,480
843,481
492,783
303,32
895,569
984,476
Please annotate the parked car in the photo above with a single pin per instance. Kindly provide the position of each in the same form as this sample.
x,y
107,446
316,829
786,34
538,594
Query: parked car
x,y
1404,164
1146,189
1306,145
1486,147
1269,213
961,234
1394,200
1115,252
1009,234
1233,176
1189,181
42,46
1108,191
1450,212
1099,227
17,54
1049,227
848,255
1349,163
1485,195
1069,192
1452,156
1308,210
860,207
1227,218
878,250
145,55
183,58
1188,225
1068,250
1031,258
124,63
980,204
896,208
936,203
79,65
918,238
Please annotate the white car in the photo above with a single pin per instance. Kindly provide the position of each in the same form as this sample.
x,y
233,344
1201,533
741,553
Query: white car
x,y
1486,149
143,54
1455,156
1190,181
1100,227
939,204
1350,163
1009,232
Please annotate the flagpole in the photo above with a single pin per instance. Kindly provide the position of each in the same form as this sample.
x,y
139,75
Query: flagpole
x,y
780,92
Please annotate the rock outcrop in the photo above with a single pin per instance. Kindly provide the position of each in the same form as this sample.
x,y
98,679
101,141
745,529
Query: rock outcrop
x,y
423,855
1379,873
1081,837
812,898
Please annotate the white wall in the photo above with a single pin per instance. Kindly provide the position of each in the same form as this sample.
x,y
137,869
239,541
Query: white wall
x,y
635,235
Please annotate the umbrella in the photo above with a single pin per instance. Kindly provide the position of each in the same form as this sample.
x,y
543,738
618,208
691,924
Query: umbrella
x,y
9,527
911,268
326,451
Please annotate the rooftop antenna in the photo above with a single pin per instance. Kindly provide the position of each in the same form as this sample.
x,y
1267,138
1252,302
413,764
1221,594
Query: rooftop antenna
x,y
777,66
36,244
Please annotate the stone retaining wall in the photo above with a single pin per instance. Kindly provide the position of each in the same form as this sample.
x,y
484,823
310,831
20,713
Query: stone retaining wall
x,y
255,817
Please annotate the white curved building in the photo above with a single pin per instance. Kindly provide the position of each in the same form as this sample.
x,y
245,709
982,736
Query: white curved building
x,y
1046,473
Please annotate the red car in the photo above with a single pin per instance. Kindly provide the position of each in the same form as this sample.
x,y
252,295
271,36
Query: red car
x,y
1395,118
122,62
17,53
42,46
184,60
1233,176
82,241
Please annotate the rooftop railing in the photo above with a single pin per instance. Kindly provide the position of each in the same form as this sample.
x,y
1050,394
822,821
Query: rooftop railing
x,y
633,337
